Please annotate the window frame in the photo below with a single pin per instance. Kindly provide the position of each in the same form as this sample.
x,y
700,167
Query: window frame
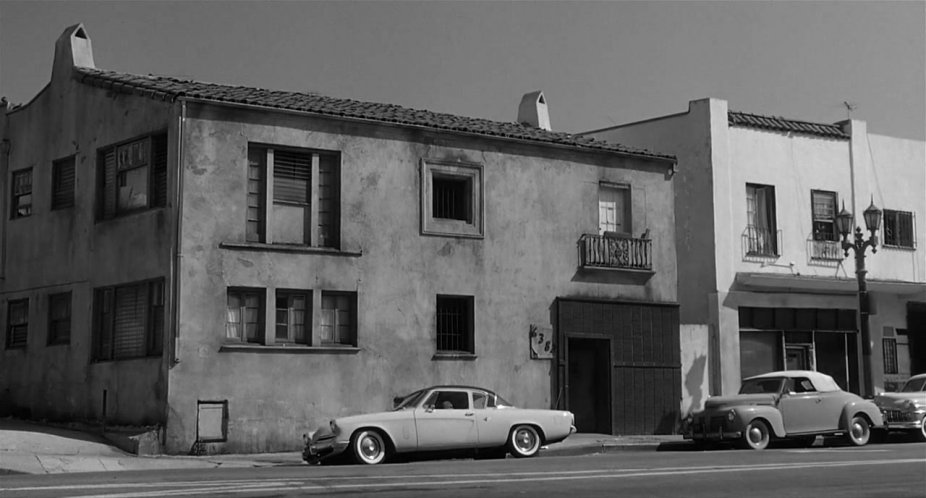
x,y
63,195
291,332
108,157
351,339
831,234
466,335
55,337
322,206
893,216
889,355
15,196
626,209
104,333
11,328
473,226
242,293
754,246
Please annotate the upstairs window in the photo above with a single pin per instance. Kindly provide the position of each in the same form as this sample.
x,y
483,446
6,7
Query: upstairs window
x,y
613,209
304,207
898,229
292,312
761,227
338,321
455,324
245,315
823,205
17,329
59,318
451,199
133,176
21,198
62,183
128,321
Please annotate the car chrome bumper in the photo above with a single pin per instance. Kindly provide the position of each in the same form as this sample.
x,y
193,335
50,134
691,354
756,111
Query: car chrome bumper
x,y
316,451
909,425
713,436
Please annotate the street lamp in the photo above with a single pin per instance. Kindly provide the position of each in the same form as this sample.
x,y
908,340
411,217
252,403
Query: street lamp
x,y
844,220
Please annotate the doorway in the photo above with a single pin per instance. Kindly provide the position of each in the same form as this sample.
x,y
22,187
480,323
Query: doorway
x,y
589,383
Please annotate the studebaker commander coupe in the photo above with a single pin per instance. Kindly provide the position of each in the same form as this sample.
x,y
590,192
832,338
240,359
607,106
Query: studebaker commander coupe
x,y
906,410
796,404
441,418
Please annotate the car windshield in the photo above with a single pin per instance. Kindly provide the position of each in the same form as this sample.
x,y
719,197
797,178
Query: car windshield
x,y
410,400
500,402
914,385
761,386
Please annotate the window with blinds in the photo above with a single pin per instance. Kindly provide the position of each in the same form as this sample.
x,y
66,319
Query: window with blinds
x,y
62,183
305,196
17,329
454,324
59,318
21,195
129,321
899,229
133,176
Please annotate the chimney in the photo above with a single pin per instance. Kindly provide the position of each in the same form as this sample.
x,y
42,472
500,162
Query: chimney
x,y
533,111
72,49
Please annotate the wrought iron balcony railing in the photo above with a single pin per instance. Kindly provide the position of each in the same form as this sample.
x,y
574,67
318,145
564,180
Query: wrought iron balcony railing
x,y
600,251
827,250
760,241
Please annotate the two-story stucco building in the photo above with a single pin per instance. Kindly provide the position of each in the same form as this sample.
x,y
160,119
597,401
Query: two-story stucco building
x,y
764,283
238,265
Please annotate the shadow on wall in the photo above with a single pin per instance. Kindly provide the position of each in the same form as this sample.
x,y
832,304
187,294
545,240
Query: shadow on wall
x,y
694,380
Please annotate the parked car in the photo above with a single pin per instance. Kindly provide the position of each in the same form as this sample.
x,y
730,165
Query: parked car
x,y
906,410
440,419
794,404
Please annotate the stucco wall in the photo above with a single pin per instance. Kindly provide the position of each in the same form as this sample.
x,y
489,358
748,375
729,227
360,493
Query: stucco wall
x,y
67,250
537,204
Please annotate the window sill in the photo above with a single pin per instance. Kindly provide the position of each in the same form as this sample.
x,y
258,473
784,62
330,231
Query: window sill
x,y
898,248
258,246
454,356
291,349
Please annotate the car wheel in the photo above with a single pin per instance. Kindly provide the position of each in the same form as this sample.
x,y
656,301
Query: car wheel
x,y
858,431
921,434
368,447
524,441
756,436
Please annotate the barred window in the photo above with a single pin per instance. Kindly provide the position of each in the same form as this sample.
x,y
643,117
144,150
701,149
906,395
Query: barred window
x,y
761,224
454,324
898,229
129,321
451,199
889,350
59,318
17,330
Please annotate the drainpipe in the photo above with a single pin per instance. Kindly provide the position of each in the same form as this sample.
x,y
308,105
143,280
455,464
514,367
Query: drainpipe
x,y
177,256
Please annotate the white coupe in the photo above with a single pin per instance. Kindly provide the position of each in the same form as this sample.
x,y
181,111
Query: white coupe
x,y
441,419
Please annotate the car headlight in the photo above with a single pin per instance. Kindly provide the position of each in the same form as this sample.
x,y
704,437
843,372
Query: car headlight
x,y
731,415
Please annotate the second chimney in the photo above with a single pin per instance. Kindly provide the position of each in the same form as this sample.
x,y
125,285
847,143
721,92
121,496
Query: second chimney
x,y
533,111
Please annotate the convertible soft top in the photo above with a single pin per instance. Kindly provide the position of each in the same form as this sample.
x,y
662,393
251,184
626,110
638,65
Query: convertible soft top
x,y
821,381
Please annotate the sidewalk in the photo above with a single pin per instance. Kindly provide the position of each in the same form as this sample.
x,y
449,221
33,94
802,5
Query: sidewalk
x,y
31,448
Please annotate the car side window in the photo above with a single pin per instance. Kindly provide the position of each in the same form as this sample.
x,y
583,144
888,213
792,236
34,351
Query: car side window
x,y
448,400
479,400
802,385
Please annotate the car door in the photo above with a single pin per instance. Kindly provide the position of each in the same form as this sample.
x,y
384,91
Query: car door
x,y
492,423
800,407
446,421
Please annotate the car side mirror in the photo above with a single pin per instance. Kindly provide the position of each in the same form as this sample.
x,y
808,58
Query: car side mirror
x,y
396,400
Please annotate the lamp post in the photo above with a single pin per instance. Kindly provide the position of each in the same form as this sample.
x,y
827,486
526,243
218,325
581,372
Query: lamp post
x,y
872,222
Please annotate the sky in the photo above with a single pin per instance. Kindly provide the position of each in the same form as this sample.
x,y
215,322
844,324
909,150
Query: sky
x,y
598,63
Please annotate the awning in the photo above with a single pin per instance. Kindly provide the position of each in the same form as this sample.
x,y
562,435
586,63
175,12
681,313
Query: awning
x,y
778,282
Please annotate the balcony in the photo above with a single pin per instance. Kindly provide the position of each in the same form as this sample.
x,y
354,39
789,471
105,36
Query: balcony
x,y
761,242
615,252
825,250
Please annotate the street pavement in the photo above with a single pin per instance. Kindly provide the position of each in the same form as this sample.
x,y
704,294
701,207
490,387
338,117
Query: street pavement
x,y
32,448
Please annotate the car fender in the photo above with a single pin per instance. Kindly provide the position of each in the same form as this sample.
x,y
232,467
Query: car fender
x,y
770,414
861,406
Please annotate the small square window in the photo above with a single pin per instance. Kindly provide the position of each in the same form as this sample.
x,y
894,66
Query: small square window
x,y
898,229
451,199
454,324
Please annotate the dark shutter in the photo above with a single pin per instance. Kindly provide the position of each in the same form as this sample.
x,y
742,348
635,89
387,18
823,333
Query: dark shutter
x,y
159,171
329,201
63,184
108,185
291,176
130,320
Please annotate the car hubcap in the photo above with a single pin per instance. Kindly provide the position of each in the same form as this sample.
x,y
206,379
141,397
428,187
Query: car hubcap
x,y
756,435
525,440
370,448
858,431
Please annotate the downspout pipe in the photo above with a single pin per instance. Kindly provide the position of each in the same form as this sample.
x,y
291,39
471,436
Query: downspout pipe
x,y
177,256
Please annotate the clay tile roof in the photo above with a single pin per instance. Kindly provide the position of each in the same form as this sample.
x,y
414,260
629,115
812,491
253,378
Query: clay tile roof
x,y
168,88
782,124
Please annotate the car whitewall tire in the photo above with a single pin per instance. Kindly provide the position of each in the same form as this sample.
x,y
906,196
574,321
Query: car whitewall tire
x,y
921,435
859,432
756,436
368,447
523,441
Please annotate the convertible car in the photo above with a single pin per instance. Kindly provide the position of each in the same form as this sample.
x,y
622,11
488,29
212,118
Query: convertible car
x,y
440,419
906,410
794,404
